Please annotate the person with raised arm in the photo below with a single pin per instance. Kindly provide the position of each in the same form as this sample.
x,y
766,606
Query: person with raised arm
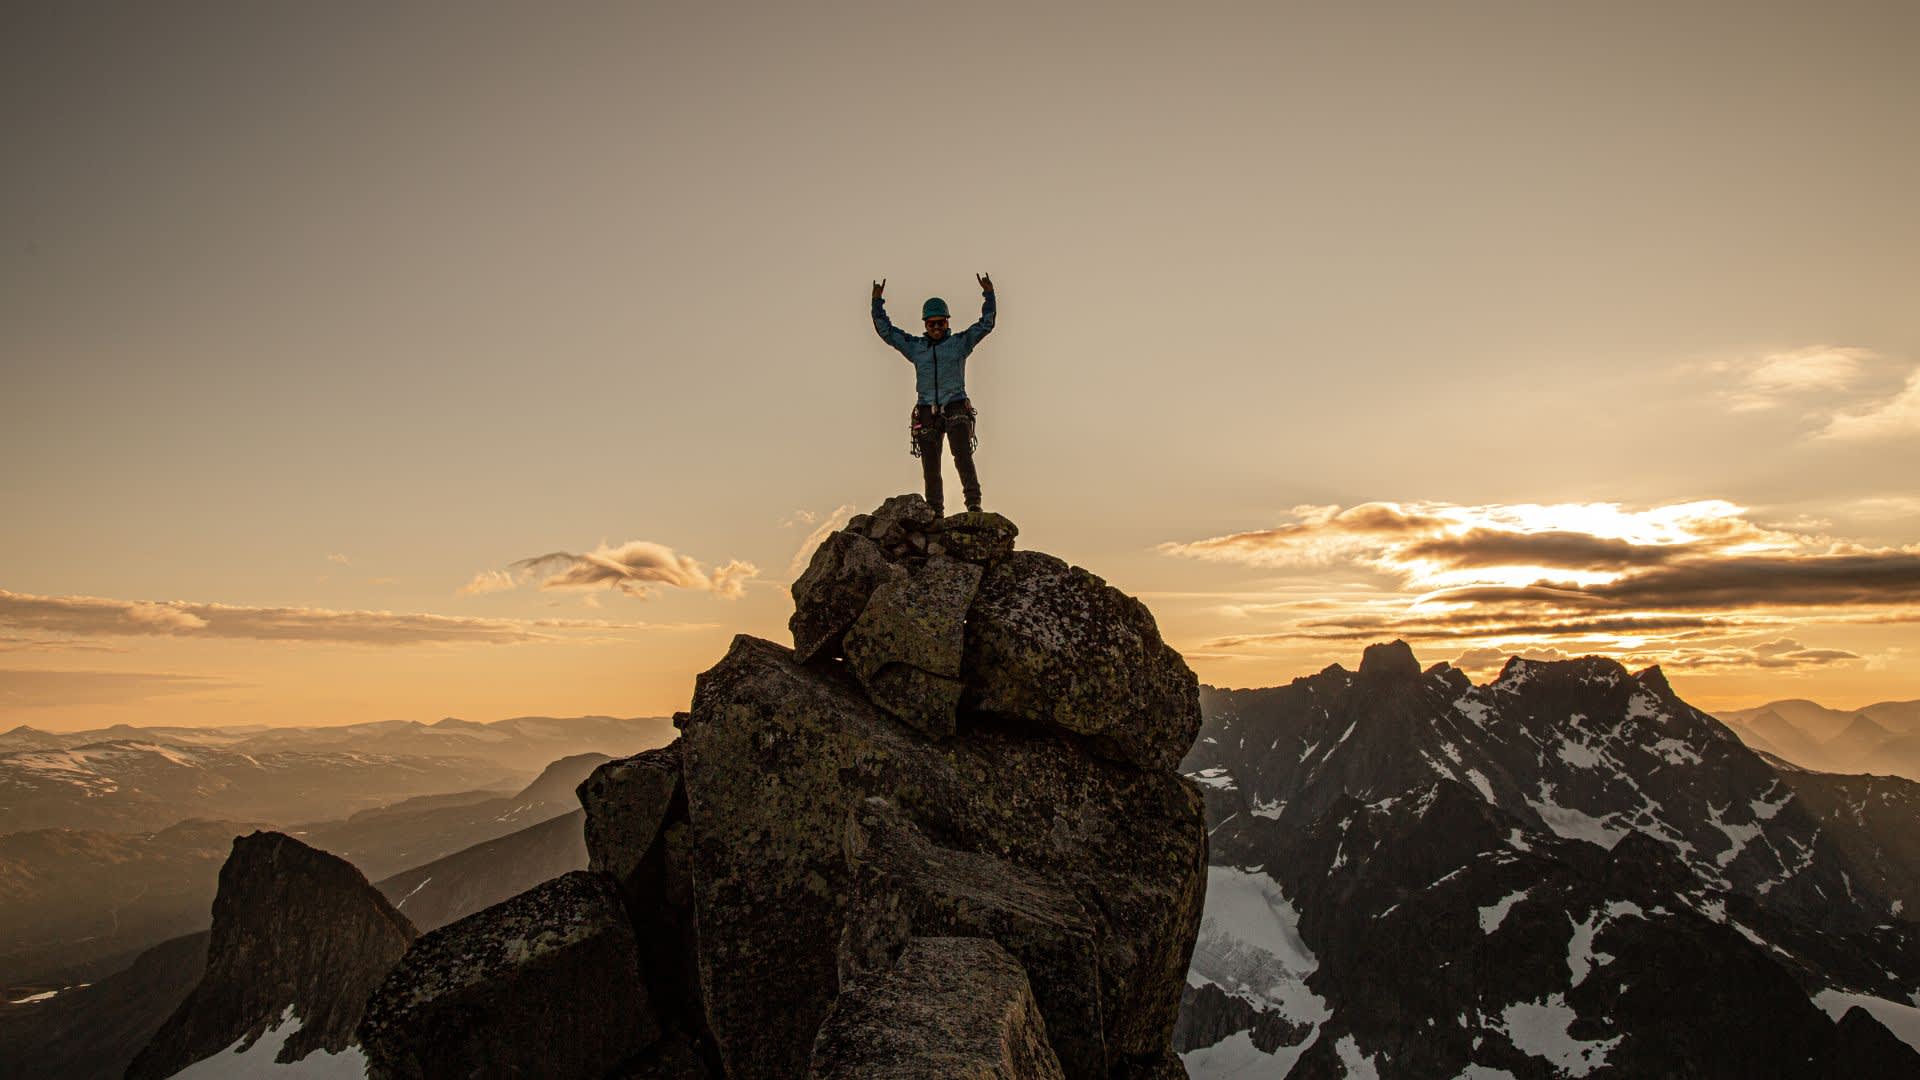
x,y
942,411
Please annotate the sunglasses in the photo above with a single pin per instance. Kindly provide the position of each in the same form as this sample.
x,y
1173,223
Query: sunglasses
x,y
939,323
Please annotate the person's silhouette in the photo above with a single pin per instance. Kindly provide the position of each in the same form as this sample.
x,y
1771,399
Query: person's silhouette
x,y
942,411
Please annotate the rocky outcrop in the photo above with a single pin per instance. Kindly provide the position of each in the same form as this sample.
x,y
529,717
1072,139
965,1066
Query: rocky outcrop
x,y
951,1007
778,758
546,984
940,836
299,936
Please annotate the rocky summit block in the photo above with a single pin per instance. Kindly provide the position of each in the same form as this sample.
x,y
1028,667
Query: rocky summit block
x,y
907,644
976,536
545,984
941,620
845,570
626,802
780,757
1051,644
953,1008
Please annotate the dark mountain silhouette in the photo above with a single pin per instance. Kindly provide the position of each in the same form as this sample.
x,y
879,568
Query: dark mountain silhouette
x,y
299,939
387,840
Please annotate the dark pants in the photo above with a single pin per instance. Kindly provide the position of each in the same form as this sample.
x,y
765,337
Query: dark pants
x,y
954,426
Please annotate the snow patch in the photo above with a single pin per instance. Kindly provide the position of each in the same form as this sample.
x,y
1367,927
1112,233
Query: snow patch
x,y
1236,1058
1480,782
1249,945
410,894
1215,777
1359,1066
1539,1029
1677,752
1738,836
1903,1020
1574,824
239,1061
1475,711
1579,754
1494,914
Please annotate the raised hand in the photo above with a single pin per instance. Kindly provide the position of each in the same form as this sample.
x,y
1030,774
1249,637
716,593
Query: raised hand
x,y
879,287
986,282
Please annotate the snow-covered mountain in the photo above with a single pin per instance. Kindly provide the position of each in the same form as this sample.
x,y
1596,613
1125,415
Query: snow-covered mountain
x,y
134,779
135,785
1567,871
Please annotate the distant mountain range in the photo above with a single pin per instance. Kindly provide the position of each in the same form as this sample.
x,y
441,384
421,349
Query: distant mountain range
x,y
1882,739
1568,871
75,904
140,780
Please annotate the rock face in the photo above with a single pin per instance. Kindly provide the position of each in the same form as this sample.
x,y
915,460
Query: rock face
x,y
501,991
941,836
298,936
951,1007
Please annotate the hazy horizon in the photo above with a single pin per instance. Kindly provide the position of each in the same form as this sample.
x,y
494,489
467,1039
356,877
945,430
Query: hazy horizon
x,y
371,364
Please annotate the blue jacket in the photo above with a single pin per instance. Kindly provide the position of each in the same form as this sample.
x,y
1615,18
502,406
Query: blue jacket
x,y
940,371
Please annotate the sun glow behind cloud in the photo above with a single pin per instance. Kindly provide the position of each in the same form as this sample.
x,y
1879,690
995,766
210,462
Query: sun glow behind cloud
x,y
1692,584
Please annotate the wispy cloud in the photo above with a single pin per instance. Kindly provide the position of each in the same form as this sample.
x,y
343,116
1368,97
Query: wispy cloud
x,y
1782,378
339,559
94,617
1894,417
30,689
636,568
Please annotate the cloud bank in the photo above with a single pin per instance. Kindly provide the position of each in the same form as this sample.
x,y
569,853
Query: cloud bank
x,y
1697,584
94,617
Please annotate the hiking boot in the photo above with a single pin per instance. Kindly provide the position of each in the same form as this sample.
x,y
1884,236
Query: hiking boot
x,y
973,508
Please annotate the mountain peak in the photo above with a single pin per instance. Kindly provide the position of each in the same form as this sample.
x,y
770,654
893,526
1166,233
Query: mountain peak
x,y
1655,680
299,936
1389,660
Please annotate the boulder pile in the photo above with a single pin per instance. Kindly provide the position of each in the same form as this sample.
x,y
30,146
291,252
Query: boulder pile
x,y
941,835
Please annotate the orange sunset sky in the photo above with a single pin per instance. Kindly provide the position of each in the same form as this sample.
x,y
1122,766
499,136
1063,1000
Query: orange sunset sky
x,y
1538,328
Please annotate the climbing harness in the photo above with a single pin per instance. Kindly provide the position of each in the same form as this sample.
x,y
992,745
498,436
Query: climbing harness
x,y
924,420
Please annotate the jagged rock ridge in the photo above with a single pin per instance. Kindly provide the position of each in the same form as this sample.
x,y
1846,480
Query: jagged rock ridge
x,y
1566,872
941,835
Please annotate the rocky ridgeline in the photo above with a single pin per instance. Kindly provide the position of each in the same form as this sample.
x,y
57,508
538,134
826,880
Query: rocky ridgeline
x,y
940,836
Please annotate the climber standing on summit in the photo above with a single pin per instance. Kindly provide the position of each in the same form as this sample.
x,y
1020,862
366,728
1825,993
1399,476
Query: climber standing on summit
x,y
942,411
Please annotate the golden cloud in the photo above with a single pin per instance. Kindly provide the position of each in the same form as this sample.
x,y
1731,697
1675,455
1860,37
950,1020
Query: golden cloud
x,y
1695,584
